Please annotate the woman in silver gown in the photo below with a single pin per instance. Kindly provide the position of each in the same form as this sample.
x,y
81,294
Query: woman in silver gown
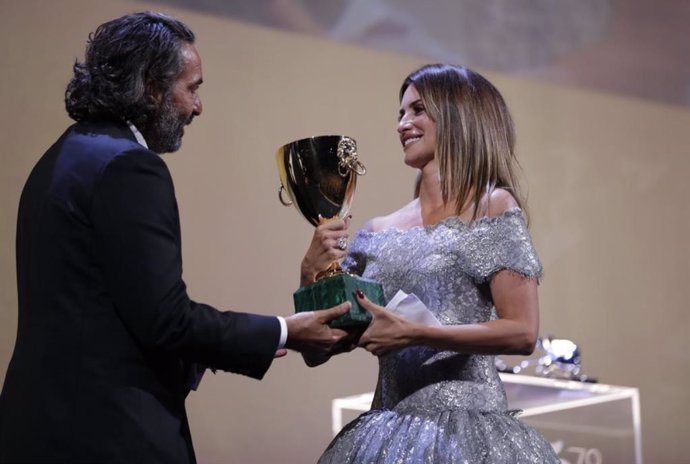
x,y
463,248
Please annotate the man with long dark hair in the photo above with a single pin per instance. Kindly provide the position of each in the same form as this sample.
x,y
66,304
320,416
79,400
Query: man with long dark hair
x,y
108,342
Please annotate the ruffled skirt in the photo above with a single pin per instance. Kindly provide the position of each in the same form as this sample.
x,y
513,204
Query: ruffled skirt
x,y
454,436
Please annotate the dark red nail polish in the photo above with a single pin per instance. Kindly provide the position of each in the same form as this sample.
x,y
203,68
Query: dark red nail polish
x,y
359,293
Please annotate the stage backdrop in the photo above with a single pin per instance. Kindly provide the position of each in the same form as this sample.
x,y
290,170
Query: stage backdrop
x,y
606,177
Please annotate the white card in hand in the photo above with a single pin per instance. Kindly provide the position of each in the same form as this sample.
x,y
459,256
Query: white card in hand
x,y
411,308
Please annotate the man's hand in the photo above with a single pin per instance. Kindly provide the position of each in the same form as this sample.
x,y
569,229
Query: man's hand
x,y
345,345
309,333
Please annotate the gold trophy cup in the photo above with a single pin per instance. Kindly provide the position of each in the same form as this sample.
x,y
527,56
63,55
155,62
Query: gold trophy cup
x,y
319,174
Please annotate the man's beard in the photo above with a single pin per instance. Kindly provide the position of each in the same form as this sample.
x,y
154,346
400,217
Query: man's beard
x,y
165,127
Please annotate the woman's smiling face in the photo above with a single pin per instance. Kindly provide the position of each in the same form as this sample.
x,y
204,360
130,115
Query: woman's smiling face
x,y
416,129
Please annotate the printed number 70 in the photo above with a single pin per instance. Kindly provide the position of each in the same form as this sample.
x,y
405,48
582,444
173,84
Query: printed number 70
x,y
584,455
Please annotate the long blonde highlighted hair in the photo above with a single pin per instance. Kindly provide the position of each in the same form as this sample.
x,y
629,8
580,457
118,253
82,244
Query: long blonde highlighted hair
x,y
475,135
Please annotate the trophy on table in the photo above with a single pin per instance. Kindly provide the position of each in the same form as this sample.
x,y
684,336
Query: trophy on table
x,y
319,175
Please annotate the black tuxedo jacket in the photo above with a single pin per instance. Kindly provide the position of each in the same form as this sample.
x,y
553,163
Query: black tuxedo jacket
x,y
107,336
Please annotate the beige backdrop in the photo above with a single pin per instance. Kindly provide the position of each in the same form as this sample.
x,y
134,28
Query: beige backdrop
x,y
606,177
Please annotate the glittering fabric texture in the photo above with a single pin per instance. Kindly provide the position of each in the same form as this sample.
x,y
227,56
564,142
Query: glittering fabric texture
x,y
441,406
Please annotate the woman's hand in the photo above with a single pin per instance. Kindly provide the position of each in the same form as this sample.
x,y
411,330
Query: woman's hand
x,y
514,332
387,331
328,244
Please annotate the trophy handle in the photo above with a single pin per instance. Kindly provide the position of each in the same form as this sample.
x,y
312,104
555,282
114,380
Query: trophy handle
x,y
347,158
280,197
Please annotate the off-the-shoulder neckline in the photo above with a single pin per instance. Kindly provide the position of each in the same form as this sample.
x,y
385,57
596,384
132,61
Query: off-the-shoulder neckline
x,y
449,221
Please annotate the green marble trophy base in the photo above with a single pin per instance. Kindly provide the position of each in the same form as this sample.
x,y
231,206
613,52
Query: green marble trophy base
x,y
332,291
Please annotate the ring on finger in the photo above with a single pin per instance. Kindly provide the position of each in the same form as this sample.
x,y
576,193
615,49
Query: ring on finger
x,y
342,243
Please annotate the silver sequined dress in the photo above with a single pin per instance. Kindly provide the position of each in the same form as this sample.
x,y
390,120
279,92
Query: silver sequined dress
x,y
441,406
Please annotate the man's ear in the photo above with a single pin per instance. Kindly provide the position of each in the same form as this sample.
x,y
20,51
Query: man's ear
x,y
154,95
